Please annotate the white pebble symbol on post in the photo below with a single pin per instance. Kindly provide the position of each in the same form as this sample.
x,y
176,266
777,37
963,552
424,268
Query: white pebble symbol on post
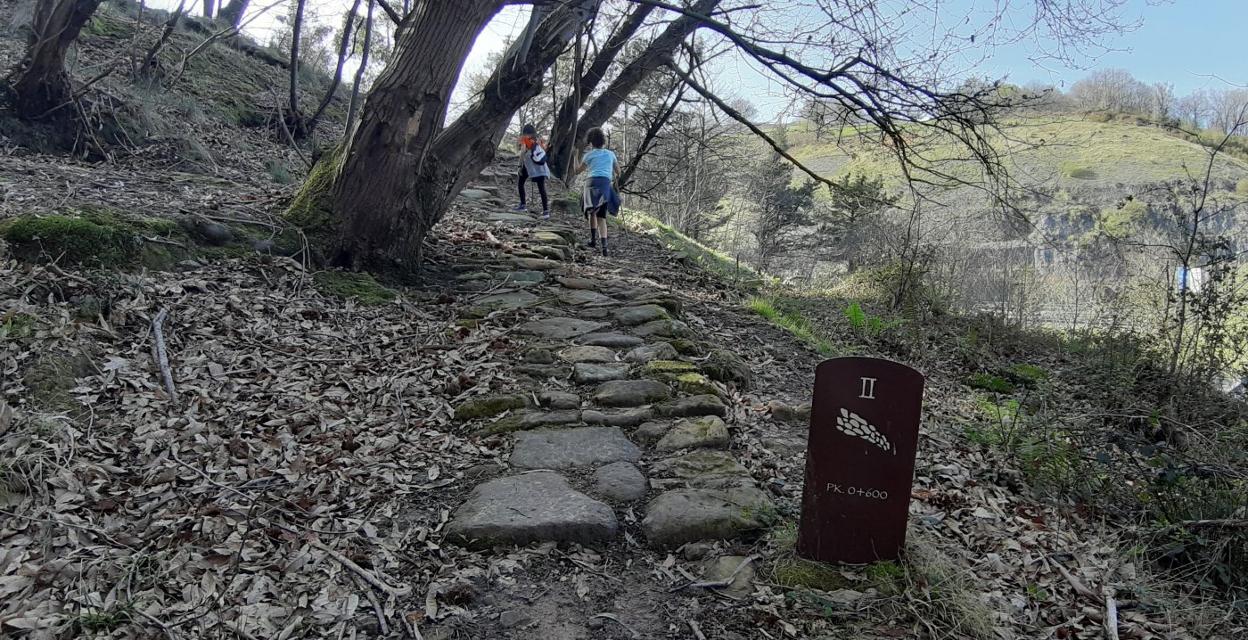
x,y
852,424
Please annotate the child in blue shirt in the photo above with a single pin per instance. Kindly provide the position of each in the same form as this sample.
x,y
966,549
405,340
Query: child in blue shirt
x,y
599,197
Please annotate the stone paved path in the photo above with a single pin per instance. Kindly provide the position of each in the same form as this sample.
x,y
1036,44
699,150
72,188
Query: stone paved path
x,y
618,407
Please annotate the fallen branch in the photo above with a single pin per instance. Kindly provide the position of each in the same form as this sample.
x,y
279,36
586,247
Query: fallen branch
x,y
1079,587
395,592
1111,618
717,584
162,356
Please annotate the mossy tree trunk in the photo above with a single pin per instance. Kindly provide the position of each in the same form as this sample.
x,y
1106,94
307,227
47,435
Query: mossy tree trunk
x,y
41,86
403,165
569,134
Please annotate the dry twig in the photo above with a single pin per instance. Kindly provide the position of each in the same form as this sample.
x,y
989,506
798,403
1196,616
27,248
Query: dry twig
x,y
395,592
162,356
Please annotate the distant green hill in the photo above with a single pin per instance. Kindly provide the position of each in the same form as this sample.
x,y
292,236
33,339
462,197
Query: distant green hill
x,y
1067,151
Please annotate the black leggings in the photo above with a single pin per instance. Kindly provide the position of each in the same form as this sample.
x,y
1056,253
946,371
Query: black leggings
x,y
541,187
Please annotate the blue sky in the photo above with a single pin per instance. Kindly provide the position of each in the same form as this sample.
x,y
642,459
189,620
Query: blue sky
x,y
1179,42
1182,42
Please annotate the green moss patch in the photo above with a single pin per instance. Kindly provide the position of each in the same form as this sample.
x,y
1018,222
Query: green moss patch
x,y
359,286
487,406
695,384
1028,375
668,367
792,571
990,382
311,210
94,237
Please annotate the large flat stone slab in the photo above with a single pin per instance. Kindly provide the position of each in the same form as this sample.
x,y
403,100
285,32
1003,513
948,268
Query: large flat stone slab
x,y
620,481
587,354
630,393
664,329
535,264
531,507
573,282
700,464
617,340
525,420
524,277
559,328
708,432
505,301
702,405
633,316
568,448
689,515
620,418
595,372
577,297
649,352
510,218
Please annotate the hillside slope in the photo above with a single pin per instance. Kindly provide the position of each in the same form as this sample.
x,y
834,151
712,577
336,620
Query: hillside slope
x,y
1079,153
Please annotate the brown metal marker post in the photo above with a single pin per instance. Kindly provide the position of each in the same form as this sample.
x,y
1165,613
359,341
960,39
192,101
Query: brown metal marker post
x,y
864,433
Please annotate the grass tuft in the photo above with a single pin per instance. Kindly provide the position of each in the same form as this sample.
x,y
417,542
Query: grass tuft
x,y
792,322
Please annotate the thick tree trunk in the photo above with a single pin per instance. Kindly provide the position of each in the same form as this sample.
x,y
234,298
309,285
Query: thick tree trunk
x,y
210,8
42,85
654,56
234,11
344,48
566,117
403,168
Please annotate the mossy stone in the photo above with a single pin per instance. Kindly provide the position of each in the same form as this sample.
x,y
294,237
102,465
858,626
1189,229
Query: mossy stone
x,y
686,347
668,367
486,406
695,384
726,366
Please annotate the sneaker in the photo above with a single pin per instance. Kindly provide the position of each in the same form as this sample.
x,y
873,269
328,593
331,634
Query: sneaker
x,y
520,207
546,214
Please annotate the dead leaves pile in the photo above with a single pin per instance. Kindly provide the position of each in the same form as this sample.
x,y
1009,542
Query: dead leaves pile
x,y
300,484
